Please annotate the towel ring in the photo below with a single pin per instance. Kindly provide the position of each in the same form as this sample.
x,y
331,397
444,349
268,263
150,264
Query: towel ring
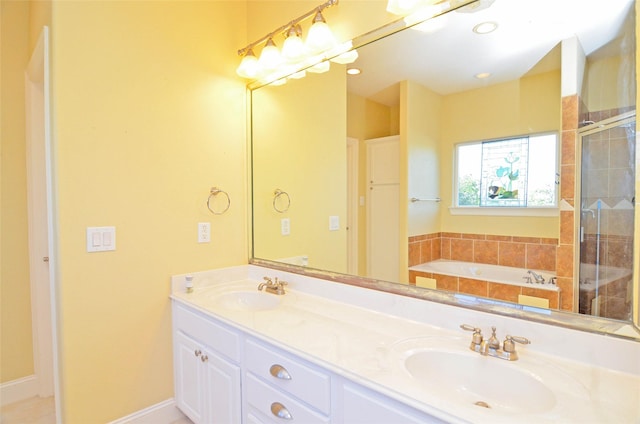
x,y
278,193
213,193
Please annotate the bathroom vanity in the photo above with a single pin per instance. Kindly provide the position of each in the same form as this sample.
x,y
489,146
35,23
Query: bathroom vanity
x,y
326,352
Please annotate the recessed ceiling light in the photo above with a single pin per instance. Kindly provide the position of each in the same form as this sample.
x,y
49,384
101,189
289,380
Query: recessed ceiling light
x,y
485,27
483,75
353,71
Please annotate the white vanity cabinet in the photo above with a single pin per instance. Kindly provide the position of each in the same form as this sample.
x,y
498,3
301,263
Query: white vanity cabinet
x,y
224,375
207,374
363,406
280,387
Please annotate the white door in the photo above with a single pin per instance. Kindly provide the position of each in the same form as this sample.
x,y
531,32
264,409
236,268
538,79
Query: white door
x,y
383,208
41,259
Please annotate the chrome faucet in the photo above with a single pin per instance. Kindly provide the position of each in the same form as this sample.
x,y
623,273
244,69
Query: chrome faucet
x,y
491,347
539,278
273,286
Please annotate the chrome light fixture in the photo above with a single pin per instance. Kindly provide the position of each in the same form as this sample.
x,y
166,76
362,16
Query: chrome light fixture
x,y
320,37
270,57
249,66
293,49
297,56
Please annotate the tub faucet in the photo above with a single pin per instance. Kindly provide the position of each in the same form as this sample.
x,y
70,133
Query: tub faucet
x,y
539,278
273,286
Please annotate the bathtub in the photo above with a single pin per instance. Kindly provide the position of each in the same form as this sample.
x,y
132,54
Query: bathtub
x,y
493,273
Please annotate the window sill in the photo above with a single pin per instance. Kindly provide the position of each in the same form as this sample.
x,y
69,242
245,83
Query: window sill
x,y
549,212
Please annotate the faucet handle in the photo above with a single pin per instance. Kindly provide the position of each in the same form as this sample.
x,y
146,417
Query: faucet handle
x,y
476,339
268,280
509,343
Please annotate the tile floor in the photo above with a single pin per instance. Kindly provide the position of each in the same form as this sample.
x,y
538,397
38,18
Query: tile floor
x,y
39,410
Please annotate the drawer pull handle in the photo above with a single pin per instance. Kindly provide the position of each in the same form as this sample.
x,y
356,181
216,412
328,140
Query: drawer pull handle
x,y
280,411
278,371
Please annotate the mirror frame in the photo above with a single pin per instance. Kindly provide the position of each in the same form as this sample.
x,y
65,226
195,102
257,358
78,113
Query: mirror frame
x,y
565,319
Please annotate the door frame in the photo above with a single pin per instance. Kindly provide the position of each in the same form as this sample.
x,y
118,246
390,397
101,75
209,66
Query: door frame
x,y
41,205
353,171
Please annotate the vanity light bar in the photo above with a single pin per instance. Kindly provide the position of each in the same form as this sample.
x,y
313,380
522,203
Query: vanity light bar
x,y
285,27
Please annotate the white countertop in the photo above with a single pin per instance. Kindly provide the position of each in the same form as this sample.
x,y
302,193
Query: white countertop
x,y
364,334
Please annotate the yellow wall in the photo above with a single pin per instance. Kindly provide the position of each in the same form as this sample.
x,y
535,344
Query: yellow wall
x,y
422,135
148,116
524,106
303,155
16,348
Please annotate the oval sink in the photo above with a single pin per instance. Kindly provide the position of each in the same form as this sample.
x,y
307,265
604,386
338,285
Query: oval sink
x,y
486,382
248,300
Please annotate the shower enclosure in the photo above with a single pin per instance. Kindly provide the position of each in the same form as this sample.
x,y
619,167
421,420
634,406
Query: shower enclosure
x,y
607,199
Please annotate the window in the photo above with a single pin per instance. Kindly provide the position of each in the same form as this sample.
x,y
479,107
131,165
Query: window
x,y
519,172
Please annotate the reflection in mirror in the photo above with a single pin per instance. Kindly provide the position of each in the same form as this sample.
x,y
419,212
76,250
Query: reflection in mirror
x,y
352,151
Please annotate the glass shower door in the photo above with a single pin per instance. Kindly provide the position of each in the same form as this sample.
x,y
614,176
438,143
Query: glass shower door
x,y
607,191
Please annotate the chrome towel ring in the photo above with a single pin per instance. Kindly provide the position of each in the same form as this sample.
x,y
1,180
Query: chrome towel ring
x,y
278,194
213,193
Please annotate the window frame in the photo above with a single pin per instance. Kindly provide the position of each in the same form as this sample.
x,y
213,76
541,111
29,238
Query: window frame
x,y
551,210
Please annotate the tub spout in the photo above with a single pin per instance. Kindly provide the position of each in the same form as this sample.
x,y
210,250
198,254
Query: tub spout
x,y
539,278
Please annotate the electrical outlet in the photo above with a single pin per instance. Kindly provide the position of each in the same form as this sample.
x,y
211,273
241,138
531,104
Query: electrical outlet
x,y
204,232
285,226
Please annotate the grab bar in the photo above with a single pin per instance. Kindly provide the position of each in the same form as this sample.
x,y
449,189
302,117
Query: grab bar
x,y
415,199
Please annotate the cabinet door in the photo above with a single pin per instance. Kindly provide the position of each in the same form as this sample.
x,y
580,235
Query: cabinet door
x,y
363,406
222,390
189,378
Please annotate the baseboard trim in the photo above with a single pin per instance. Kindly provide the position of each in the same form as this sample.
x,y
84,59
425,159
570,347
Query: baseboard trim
x,y
17,390
163,412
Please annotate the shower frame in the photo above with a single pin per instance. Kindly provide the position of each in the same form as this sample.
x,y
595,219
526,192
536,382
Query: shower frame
x,y
590,129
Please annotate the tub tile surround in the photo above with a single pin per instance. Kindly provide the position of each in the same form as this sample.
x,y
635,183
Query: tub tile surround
x,y
352,331
511,251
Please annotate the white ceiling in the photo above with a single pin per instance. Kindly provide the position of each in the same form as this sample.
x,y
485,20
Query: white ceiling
x,y
447,60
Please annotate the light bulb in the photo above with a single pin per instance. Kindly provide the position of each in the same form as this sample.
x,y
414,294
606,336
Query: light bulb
x,y
248,67
346,58
293,49
320,37
270,57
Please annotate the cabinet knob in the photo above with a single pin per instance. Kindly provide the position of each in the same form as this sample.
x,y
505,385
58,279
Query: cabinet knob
x,y
204,358
280,411
278,371
197,352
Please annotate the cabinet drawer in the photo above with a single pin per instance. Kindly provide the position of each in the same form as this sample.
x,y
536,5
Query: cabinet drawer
x,y
221,339
266,401
306,383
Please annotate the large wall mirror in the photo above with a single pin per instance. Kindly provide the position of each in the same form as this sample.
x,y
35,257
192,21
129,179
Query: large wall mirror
x,y
373,178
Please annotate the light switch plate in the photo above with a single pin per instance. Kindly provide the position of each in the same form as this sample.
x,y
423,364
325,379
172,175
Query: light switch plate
x,y
101,239
334,223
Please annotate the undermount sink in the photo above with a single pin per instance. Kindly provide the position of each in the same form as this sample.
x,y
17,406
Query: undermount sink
x,y
248,300
487,382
